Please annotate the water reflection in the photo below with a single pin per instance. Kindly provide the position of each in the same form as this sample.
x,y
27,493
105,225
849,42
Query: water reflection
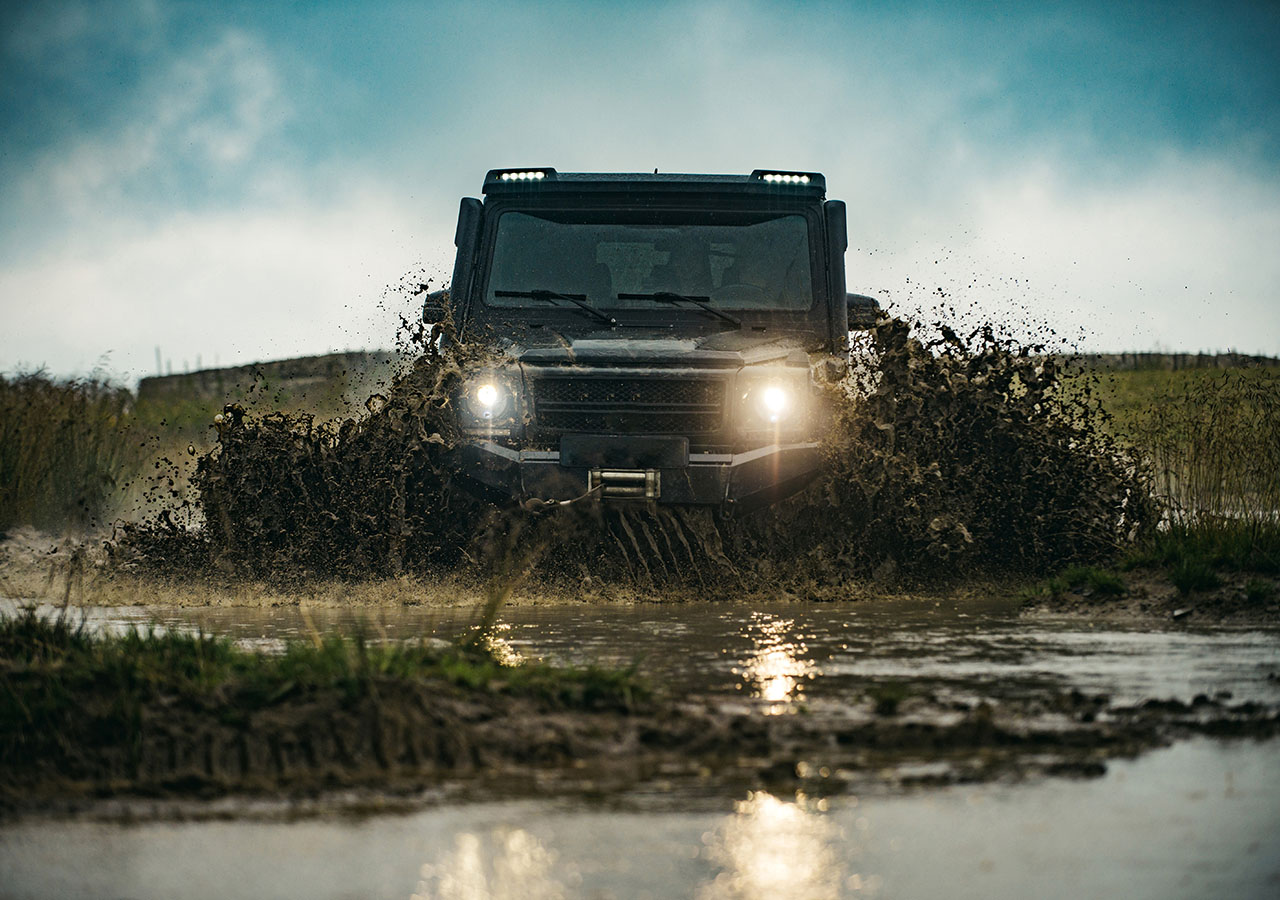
x,y
770,848
778,664
497,642
511,864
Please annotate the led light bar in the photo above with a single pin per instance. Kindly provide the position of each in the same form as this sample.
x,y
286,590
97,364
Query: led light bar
x,y
530,175
785,177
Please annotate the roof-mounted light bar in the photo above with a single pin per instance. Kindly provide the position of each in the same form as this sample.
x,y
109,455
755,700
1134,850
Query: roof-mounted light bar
x,y
527,176
535,180
785,177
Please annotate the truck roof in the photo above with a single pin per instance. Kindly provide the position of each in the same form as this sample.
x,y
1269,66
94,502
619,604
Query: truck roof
x,y
545,180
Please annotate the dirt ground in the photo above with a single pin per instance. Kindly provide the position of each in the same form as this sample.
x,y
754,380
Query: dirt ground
x,y
416,737
412,737
77,569
1152,597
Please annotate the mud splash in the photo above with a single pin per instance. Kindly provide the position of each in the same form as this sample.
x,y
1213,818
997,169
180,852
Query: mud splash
x,y
946,456
283,495
957,456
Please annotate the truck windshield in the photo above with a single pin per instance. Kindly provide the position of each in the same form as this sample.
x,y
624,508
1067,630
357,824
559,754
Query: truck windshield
x,y
731,262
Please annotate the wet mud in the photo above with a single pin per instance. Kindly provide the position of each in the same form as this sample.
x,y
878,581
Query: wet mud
x,y
1241,599
406,739
959,456
946,457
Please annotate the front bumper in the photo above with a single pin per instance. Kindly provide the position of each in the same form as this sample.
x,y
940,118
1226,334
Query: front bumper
x,y
732,481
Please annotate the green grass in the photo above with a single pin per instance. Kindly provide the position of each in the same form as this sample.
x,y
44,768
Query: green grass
x,y
1259,590
1210,436
1086,579
1191,575
1194,556
1211,439
1230,545
49,666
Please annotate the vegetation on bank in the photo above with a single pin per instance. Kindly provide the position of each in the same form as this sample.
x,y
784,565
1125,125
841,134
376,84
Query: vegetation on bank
x,y
65,448
47,662
1212,439
79,704
78,451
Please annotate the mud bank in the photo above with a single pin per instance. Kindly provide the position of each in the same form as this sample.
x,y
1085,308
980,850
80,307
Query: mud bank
x,y
379,738
1246,599
408,740
79,572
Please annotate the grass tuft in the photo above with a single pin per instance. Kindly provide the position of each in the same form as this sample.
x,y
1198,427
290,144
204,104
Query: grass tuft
x,y
1214,445
1194,574
1259,590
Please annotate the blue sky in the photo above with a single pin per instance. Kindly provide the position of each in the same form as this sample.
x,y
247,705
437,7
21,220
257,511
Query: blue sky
x,y
233,182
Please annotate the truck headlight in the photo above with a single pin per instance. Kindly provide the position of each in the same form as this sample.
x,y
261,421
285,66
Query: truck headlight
x,y
772,400
776,402
488,401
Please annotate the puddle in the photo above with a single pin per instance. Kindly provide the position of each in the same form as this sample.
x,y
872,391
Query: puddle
x,y
783,654
1201,819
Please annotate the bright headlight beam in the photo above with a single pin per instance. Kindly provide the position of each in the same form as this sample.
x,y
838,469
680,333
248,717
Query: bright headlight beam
x,y
487,401
775,400
487,394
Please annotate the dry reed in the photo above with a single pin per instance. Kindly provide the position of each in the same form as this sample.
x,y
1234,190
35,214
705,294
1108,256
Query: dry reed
x,y
64,447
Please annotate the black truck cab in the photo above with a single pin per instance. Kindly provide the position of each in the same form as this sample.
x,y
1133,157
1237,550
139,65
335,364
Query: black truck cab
x,y
657,335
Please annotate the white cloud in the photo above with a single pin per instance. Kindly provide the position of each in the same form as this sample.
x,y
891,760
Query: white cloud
x,y
237,287
1182,256
262,271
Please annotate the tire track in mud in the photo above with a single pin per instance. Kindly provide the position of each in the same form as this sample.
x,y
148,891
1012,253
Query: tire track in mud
x,y
400,738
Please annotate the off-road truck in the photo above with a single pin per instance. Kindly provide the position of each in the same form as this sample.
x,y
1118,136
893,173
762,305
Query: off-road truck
x,y
658,335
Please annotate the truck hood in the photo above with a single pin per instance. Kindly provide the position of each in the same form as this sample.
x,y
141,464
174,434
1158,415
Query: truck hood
x,y
721,350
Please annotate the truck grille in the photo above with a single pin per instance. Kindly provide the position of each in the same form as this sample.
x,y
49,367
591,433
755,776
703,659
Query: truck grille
x,y
629,405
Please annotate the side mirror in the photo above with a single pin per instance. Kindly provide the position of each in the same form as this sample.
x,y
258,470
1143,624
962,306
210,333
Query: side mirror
x,y
864,311
435,308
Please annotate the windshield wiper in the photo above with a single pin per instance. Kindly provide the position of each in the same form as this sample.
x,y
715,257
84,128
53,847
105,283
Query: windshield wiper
x,y
672,297
578,300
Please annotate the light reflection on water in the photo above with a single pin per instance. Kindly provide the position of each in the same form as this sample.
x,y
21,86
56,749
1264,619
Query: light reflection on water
x,y
1201,819
767,848
497,642
507,864
779,849
777,665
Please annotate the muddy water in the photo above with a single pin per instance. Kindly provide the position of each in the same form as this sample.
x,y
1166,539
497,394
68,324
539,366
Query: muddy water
x,y
1197,820
1201,818
783,656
